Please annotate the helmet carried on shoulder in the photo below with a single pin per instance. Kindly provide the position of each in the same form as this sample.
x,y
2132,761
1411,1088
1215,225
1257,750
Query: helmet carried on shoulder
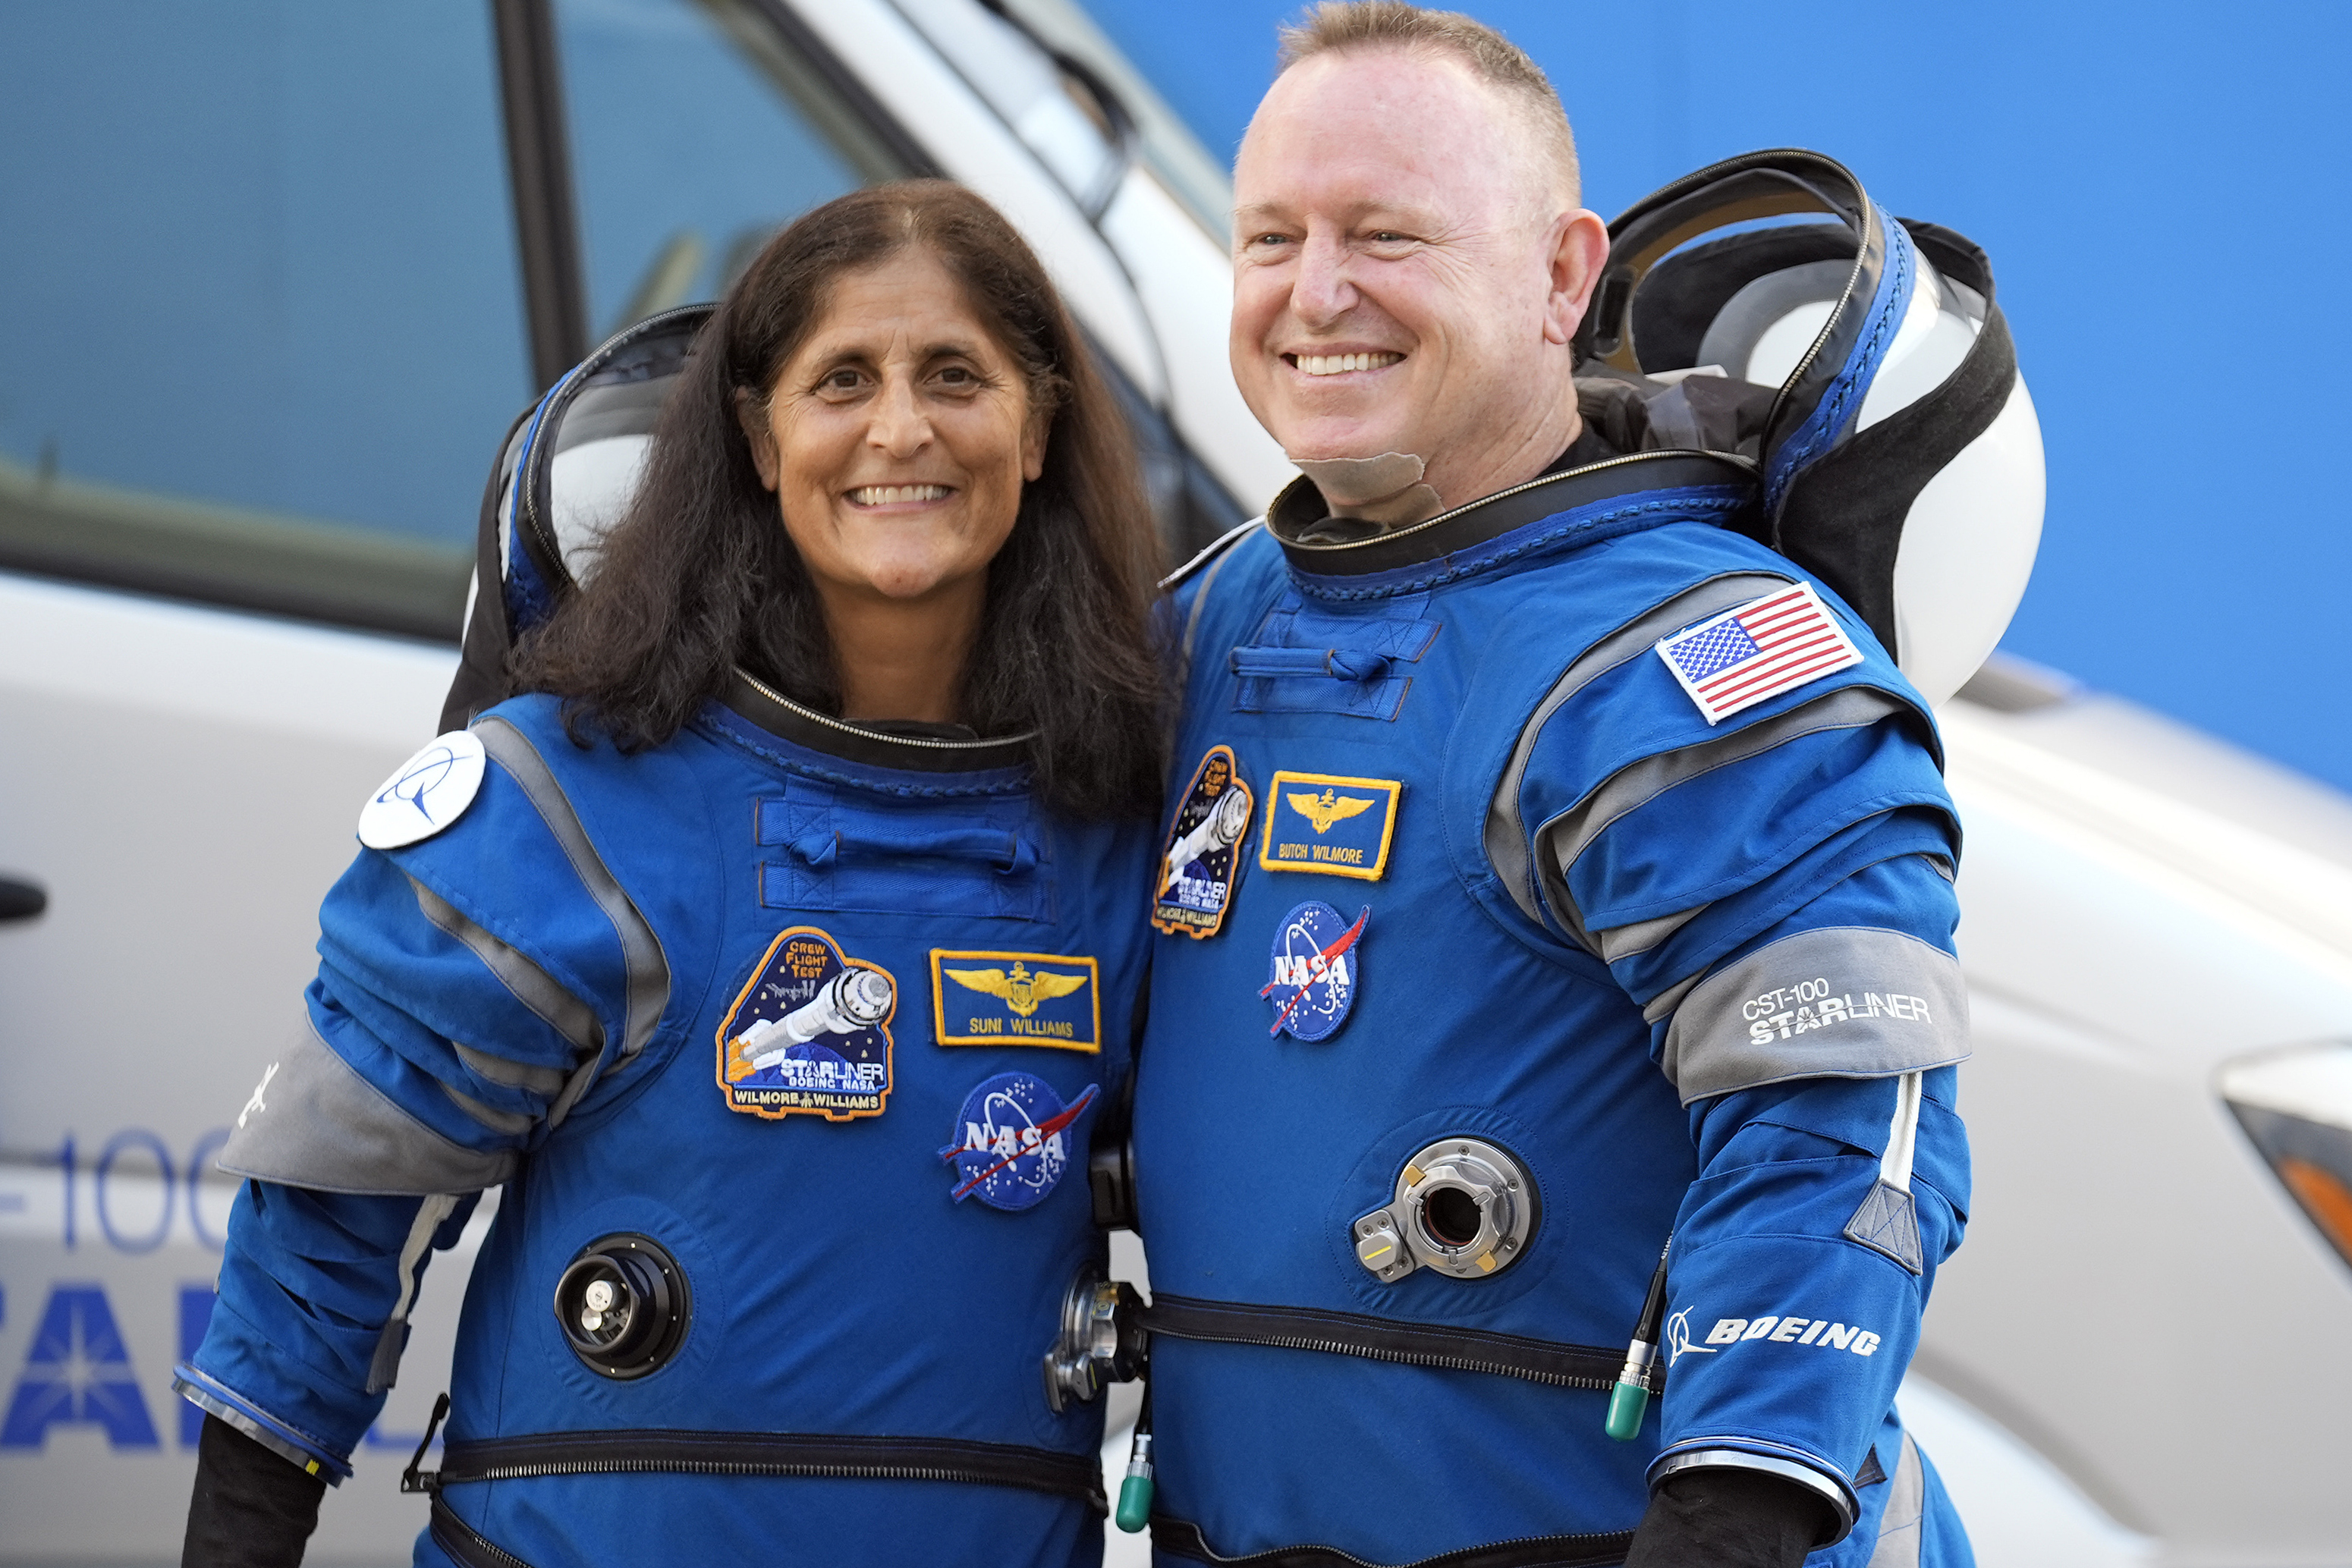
x,y
1766,305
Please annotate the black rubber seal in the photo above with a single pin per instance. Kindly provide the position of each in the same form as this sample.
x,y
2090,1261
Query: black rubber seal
x,y
874,747
1181,1537
1301,506
1386,1339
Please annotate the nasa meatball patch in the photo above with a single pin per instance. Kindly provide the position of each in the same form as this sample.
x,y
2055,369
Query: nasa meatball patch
x,y
1202,863
809,1033
1316,966
425,794
1012,1141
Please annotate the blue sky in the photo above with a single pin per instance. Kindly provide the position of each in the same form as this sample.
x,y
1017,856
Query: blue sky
x,y
2162,190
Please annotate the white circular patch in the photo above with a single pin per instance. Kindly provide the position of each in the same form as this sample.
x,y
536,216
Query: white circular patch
x,y
425,794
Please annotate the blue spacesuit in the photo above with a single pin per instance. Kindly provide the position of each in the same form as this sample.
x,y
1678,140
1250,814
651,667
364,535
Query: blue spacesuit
x,y
786,1040
1561,874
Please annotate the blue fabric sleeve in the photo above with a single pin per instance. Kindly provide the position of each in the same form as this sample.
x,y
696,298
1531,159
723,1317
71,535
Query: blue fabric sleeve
x,y
1786,1339
309,1281
466,983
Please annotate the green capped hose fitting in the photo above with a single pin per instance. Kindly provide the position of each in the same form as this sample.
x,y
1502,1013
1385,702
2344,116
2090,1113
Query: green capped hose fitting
x,y
1135,1493
1628,1402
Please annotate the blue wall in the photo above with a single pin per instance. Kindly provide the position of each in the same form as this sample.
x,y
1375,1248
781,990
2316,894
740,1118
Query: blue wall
x,y
2162,189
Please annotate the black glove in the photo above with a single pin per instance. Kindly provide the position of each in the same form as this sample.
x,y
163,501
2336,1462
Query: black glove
x,y
252,1507
1725,1518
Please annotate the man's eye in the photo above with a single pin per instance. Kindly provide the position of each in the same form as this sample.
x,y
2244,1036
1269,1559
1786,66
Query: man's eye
x,y
1387,237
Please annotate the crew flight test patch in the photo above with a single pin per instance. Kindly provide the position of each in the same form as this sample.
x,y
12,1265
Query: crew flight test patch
x,y
1756,651
1203,861
1015,999
1325,823
809,1033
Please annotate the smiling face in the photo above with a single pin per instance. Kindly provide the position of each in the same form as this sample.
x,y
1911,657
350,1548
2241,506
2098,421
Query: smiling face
x,y
896,439
1409,272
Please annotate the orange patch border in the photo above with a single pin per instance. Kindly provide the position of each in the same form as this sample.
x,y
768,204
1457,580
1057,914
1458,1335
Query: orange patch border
x,y
889,1041
1240,848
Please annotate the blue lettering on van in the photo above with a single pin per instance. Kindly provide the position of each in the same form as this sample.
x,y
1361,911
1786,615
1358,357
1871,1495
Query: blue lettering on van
x,y
77,1373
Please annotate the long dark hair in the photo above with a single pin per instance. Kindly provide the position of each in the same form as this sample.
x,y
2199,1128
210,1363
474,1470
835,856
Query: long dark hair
x,y
700,575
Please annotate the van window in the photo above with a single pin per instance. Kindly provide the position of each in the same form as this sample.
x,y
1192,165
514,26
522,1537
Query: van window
x,y
698,131
259,326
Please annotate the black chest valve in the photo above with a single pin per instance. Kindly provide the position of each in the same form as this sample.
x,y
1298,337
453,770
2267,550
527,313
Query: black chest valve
x,y
1102,1339
623,1305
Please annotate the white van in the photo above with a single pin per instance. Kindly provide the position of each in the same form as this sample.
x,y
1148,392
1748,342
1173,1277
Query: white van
x,y
272,280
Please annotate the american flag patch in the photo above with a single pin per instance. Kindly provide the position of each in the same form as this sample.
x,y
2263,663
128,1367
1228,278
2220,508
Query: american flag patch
x,y
1759,650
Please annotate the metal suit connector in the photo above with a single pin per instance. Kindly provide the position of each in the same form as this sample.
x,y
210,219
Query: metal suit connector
x,y
1462,1206
1102,1339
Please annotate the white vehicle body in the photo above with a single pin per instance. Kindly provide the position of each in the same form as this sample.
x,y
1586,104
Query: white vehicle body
x,y
2143,1353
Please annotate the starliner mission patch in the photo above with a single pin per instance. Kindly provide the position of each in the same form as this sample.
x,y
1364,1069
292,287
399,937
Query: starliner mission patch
x,y
809,1033
1202,863
1012,1140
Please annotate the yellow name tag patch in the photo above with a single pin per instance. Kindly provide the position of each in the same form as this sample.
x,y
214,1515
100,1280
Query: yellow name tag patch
x,y
1016,998
1326,823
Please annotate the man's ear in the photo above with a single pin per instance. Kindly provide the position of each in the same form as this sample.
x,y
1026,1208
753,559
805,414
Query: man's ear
x,y
1576,247
752,416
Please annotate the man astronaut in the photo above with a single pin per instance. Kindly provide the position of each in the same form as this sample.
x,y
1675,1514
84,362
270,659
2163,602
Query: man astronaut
x,y
1596,893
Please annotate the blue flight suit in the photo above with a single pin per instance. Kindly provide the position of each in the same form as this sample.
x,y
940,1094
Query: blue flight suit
x,y
584,989
1505,878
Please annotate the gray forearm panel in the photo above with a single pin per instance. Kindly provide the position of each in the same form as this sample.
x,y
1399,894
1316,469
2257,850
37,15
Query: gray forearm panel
x,y
315,1123
1843,1002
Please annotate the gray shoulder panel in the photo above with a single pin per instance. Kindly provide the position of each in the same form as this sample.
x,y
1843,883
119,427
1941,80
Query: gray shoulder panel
x,y
1843,1002
1903,1521
1212,550
1569,835
1214,558
1507,839
565,1013
314,1121
648,969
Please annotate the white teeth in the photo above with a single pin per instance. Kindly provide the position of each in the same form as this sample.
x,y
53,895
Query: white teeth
x,y
895,495
1335,364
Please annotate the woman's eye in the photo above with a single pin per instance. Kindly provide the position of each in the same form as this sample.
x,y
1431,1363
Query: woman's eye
x,y
956,376
842,380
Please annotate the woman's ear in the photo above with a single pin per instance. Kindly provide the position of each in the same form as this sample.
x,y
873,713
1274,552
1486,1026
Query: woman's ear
x,y
1038,428
752,416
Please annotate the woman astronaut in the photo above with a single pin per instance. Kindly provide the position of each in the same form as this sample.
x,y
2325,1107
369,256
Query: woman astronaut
x,y
776,952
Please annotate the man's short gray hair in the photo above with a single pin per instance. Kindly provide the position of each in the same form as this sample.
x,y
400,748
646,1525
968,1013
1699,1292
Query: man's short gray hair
x,y
1336,27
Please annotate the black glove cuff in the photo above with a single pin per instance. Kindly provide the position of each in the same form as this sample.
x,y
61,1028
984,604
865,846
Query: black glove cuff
x,y
1729,1518
252,1509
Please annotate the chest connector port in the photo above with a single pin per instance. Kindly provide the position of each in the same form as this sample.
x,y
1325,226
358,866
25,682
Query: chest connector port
x,y
1462,1206
623,1305
1102,1339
